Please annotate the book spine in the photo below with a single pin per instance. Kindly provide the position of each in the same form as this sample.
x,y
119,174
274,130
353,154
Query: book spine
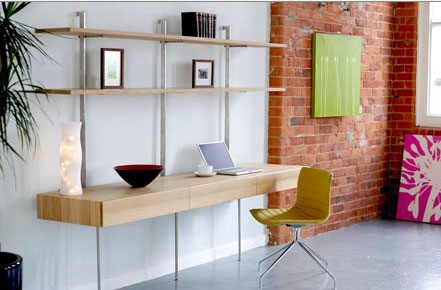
x,y
196,23
214,25
206,24
203,24
184,23
209,25
200,24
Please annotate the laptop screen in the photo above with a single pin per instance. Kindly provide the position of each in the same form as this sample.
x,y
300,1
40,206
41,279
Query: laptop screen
x,y
216,155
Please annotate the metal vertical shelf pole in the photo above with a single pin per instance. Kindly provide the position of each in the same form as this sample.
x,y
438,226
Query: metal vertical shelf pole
x,y
163,24
82,15
227,85
227,124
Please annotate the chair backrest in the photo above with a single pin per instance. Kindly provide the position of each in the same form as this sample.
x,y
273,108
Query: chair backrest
x,y
314,192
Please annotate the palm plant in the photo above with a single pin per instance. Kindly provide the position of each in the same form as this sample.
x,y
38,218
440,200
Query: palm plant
x,y
17,45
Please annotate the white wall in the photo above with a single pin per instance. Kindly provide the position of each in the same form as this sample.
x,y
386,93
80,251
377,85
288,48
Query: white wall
x,y
123,130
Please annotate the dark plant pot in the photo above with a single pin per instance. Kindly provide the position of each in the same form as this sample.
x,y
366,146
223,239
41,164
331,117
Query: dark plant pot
x,y
10,271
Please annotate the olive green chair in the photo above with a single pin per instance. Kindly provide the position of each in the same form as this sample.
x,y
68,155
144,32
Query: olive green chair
x,y
311,207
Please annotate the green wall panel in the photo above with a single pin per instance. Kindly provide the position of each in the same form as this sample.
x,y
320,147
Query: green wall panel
x,y
335,75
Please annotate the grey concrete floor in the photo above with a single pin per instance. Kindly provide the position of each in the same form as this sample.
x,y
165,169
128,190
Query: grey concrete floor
x,y
380,254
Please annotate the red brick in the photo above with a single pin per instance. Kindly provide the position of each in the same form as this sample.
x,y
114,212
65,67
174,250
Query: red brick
x,y
361,151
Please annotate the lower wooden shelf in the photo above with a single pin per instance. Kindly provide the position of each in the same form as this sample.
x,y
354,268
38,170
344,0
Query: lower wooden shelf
x,y
118,203
134,91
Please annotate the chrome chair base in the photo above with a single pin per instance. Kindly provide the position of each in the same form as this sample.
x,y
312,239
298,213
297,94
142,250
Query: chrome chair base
x,y
286,248
272,254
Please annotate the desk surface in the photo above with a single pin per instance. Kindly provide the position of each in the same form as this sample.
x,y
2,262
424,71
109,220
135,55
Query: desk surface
x,y
117,203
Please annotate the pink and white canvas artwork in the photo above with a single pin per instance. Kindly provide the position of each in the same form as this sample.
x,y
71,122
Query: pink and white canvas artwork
x,y
419,198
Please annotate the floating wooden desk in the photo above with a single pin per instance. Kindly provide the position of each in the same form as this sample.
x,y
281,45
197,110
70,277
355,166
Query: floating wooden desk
x,y
118,203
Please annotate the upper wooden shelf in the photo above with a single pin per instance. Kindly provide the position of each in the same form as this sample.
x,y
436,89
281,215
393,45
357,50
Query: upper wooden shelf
x,y
155,37
138,91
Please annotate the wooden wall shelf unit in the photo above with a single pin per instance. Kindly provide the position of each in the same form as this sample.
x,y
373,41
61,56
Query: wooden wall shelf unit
x,y
86,32
107,205
118,203
164,39
135,91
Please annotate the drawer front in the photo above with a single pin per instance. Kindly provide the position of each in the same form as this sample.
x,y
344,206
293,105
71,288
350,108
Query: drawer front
x,y
144,206
277,181
69,210
220,192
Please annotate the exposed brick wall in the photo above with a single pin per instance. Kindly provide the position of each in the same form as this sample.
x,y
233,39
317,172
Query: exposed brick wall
x,y
402,119
356,148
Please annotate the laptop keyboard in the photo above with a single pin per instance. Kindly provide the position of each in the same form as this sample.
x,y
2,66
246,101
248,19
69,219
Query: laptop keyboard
x,y
239,169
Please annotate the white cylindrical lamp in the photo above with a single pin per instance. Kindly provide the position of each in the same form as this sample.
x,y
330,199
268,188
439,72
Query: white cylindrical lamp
x,y
70,158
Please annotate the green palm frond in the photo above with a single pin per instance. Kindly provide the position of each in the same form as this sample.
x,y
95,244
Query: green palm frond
x,y
17,45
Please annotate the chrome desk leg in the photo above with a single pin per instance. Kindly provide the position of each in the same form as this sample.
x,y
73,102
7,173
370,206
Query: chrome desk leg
x,y
315,253
318,262
239,231
98,257
272,254
275,262
176,246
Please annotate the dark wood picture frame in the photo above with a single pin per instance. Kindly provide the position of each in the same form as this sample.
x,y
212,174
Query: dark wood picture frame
x,y
194,74
121,83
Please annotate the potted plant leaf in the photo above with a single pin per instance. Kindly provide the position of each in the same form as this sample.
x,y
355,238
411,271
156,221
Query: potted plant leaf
x,y
17,91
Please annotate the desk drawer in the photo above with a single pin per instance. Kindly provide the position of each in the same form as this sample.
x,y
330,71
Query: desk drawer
x,y
69,210
220,192
144,206
277,181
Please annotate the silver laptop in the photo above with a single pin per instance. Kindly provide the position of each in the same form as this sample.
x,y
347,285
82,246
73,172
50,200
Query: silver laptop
x,y
217,155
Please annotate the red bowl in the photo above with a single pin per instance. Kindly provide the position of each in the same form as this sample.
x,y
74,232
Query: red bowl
x,y
138,175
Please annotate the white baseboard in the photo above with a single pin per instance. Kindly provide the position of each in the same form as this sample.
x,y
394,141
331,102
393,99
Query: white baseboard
x,y
168,266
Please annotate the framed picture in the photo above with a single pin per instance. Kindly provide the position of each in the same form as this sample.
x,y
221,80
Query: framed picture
x,y
112,68
420,194
203,73
335,75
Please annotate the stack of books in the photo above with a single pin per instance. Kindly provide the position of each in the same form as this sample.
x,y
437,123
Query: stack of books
x,y
198,24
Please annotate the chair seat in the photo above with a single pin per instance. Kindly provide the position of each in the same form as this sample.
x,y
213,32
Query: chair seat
x,y
285,216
